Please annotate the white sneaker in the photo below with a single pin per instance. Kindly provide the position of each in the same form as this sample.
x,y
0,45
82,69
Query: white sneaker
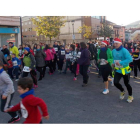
x,y
112,82
16,80
106,91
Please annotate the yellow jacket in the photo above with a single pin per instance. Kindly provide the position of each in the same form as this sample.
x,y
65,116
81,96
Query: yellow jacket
x,y
14,50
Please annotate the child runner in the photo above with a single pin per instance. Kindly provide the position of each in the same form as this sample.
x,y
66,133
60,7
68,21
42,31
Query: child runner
x,y
73,60
10,67
121,60
29,105
29,66
16,65
105,60
136,61
7,93
61,58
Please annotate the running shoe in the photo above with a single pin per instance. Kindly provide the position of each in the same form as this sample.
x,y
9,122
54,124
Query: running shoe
x,y
75,78
84,85
122,95
35,86
14,120
130,99
106,91
16,80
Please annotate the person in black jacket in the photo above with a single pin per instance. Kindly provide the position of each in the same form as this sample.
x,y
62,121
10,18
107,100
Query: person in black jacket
x,y
5,51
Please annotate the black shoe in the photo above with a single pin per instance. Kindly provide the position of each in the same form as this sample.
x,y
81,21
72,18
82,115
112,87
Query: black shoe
x,y
40,79
14,120
84,85
64,72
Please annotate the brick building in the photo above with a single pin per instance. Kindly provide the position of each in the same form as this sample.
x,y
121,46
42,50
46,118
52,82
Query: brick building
x,y
68,33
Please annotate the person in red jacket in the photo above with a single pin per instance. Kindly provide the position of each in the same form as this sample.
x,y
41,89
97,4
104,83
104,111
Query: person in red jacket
x,y
29,103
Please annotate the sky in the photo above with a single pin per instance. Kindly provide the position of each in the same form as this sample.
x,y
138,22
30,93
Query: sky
x,y
122,20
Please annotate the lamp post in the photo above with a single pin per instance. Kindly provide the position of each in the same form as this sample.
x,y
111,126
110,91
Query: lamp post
x,y
73,37
98,31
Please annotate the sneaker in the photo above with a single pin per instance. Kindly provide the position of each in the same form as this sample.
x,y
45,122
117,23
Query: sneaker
x,y
84,85
122,95
106,91
14,120
130,99
35,86
112,82
75,78
50,73
135,77
16,80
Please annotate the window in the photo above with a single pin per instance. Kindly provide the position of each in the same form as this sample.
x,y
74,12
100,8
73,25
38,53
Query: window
x,y
25,23
22,30
29,22
26,30
22,24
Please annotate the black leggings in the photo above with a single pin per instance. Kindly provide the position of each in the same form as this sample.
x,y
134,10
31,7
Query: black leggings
x,y
105,71
33,75
40,70
60,64
73,68
126,79
136,66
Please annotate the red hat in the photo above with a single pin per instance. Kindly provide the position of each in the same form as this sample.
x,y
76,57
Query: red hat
x,y
117,40
105,42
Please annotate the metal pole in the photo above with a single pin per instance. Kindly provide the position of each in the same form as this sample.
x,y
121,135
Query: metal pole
x,y
73,31
21,28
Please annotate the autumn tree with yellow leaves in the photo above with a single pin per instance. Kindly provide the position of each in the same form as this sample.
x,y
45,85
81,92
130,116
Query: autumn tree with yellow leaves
x,y
86,30
49,26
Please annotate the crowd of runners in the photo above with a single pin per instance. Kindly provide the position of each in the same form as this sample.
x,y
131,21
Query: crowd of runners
x,y
113,61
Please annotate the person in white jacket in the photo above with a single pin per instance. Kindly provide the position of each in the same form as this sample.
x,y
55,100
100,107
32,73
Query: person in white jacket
x,y
7,92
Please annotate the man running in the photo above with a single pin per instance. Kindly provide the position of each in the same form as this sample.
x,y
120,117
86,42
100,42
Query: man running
x,y
121,60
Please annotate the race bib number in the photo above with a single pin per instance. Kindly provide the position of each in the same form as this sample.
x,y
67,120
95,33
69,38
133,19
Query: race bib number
x,y
56,49
62,52
11,52
15,63
117,65
79,54
103,62
24,112
67,56
26,69
70,55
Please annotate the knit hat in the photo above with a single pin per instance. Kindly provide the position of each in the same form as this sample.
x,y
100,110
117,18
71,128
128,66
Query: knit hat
x,y
105,42
27,49
117,40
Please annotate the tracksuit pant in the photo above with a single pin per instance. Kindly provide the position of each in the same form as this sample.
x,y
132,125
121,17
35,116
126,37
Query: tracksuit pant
x,y
60,64
73,68
136,66
83,72
6,103
33,75
126,79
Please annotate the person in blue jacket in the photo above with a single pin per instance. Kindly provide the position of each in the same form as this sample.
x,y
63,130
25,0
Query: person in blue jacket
x,y
16,65
121,60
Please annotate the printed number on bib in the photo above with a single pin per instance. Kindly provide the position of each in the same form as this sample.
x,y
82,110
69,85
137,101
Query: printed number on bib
x,y
79,54
56,49
70,55
15,63
117,65
62,52
11,52
26,69
67,56
24,112
103,62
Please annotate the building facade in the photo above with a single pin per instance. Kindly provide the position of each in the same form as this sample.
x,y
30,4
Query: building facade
x,y
68,33
10,30
127,35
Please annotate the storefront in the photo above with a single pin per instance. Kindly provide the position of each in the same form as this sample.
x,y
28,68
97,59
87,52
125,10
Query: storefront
x,y
10,35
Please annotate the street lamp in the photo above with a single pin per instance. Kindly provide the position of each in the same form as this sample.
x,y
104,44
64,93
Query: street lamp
x,y
73,37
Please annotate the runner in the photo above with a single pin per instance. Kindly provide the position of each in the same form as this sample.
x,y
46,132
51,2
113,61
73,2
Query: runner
x,y
29,66
121,60
7,93
29,105
13,49
105,60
